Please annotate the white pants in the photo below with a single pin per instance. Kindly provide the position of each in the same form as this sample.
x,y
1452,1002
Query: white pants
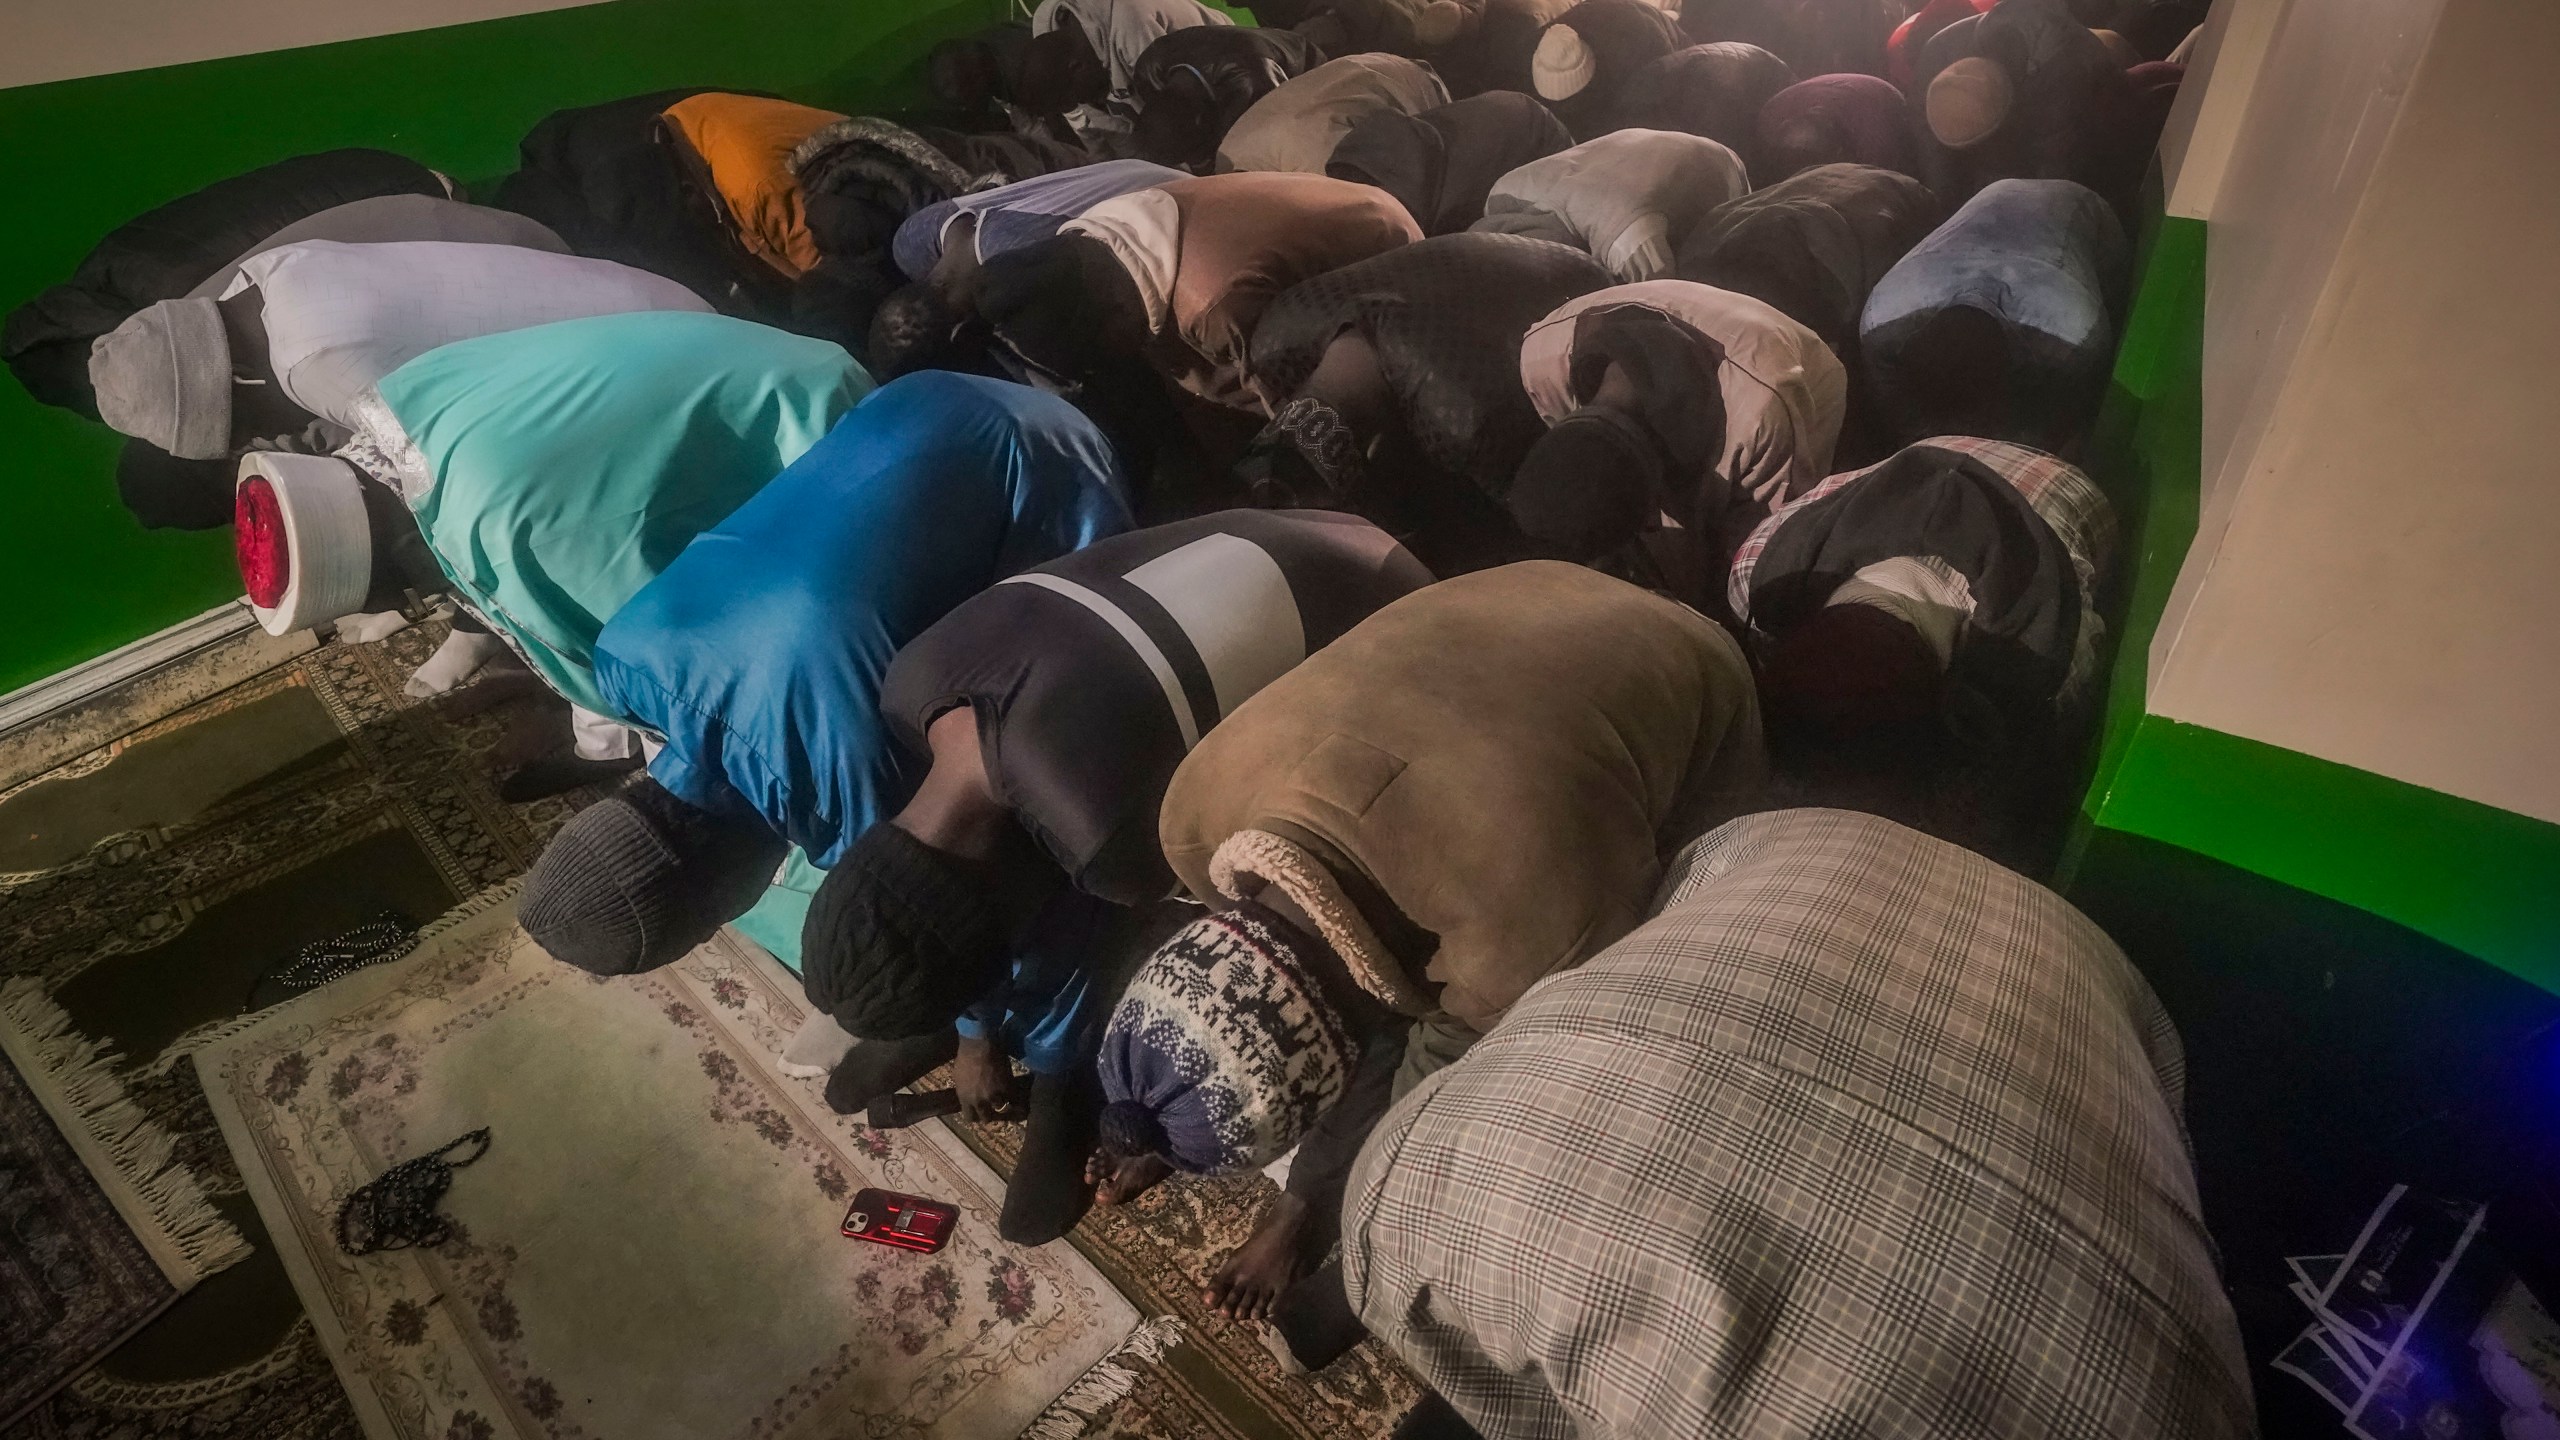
x,y
603,739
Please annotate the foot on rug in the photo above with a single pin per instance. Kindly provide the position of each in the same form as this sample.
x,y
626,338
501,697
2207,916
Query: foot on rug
x,y
543,779
815,1051
365,629
1252,1280
461,656
873,1068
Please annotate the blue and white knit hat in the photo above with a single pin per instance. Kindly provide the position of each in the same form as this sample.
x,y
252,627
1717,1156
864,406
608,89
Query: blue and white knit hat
x,y
1224,1050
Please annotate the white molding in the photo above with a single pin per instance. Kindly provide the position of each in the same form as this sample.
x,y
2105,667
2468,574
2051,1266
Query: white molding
x,y
28,704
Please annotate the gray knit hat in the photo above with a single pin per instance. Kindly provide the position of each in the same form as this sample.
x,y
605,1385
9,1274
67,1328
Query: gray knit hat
x,y
639,880
165,376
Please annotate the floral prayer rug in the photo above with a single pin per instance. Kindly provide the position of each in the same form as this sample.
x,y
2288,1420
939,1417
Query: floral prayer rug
x,y
143,888
322,793
650,1246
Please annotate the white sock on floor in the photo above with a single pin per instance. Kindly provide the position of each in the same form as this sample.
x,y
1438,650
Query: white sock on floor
x,y
365,629
457,660
814,1051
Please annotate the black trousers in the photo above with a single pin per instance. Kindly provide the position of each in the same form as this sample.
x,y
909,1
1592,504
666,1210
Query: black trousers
x,y
1313,1315
1048,1193
1331,1147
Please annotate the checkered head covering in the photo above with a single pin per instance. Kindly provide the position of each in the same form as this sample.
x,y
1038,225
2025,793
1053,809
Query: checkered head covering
x,y
1224,1050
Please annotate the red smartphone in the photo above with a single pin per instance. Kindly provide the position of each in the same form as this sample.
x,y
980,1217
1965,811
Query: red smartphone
x,y
910,1222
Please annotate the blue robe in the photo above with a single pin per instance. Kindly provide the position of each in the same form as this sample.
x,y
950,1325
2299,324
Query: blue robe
x,y
758,654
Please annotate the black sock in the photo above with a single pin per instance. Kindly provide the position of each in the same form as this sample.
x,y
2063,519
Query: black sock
x,y
558,776
1435,1419
873,1068
1314,1316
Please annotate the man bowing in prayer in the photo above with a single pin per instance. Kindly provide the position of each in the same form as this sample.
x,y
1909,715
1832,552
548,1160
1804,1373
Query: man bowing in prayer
x,y
757,659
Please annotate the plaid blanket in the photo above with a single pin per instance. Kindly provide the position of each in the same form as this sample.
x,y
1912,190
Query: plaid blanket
x,y
1860,1135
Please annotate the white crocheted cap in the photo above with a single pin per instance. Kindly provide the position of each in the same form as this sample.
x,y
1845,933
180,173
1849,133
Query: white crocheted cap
x,y
315,533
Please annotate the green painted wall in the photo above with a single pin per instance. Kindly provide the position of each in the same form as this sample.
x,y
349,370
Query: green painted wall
x,y
77,576
2483,881
2146,453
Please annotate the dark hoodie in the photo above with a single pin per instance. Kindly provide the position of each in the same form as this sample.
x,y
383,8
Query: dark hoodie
x,y
1814,244
1442,163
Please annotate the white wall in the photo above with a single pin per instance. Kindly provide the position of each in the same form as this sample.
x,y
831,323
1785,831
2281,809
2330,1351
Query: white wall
x,y
2378,580
2223,65
44,40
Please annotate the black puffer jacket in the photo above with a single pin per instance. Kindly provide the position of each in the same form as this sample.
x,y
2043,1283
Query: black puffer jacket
x,y
164,253
1441,164
860,178
1446,316
603,176
1714,90
1813,245
1190,85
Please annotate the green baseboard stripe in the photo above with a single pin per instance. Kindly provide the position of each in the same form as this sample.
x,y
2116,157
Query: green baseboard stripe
x,y
2482,880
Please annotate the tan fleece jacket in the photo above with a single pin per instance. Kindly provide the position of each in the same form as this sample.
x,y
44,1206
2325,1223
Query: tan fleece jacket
x,y
1510,757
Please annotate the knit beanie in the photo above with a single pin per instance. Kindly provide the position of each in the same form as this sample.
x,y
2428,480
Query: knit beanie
x,y
1224,1050
902,937
164,375
637,881
1563,65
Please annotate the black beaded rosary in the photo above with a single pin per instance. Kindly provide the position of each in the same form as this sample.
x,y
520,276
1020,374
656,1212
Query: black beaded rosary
x,y
387,936
397,1209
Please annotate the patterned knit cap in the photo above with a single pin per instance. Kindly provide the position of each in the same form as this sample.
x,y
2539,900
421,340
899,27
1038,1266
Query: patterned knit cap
x,y
1224,1050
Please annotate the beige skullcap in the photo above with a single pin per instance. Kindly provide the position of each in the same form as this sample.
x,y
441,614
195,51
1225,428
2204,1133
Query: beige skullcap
x,y
1968,102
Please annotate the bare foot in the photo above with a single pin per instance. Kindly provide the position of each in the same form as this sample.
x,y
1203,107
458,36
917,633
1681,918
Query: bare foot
x,y
1118,1179
1246,1286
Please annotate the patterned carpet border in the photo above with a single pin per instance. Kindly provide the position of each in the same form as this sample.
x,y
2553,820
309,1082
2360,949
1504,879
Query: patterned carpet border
x,y
418,767
128,1154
